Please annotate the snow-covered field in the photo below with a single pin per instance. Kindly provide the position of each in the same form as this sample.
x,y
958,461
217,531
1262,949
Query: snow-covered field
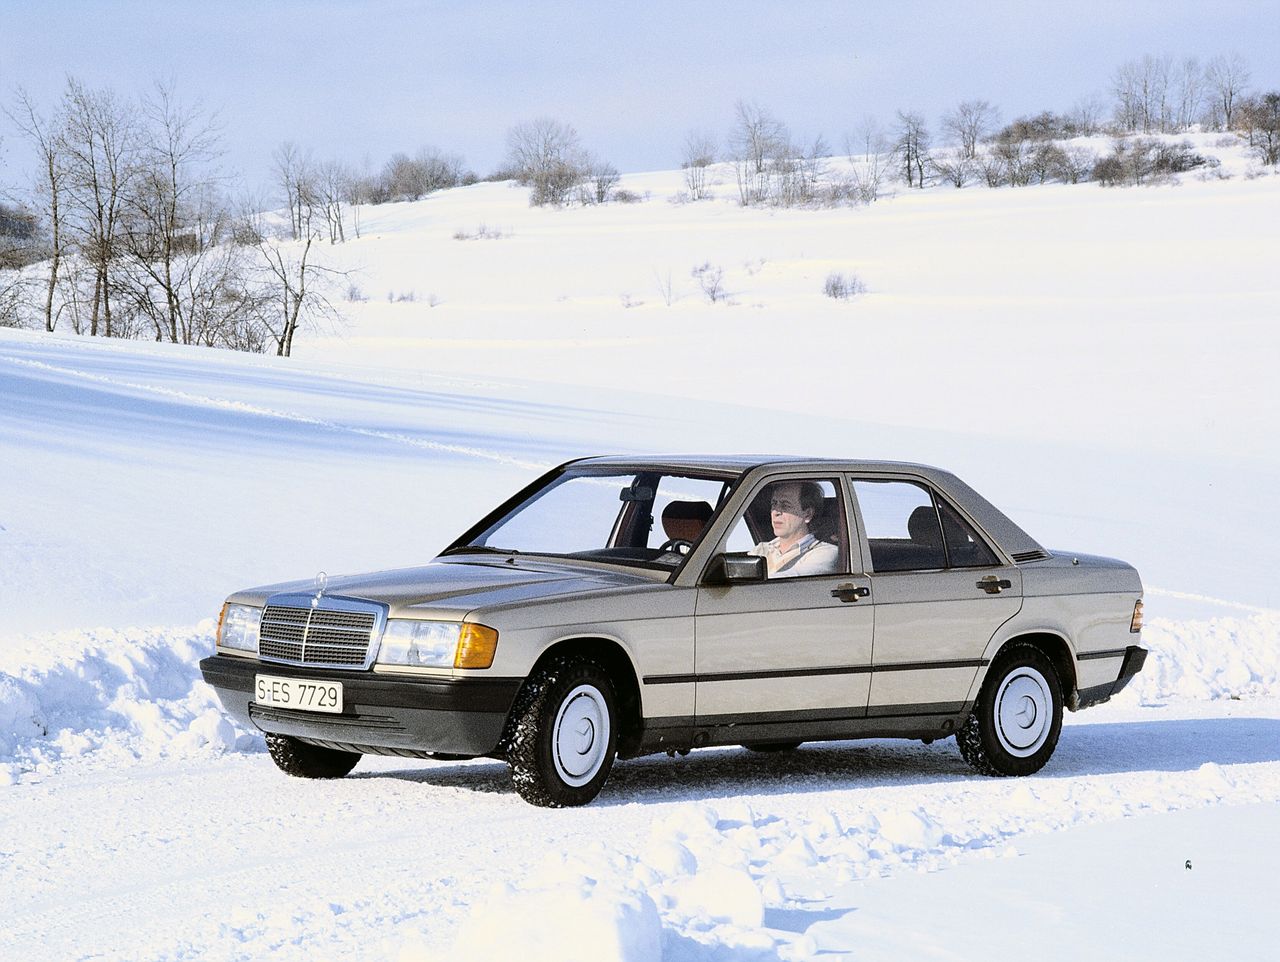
x,y
1097,362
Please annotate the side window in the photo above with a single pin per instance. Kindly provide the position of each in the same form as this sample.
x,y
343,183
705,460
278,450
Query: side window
x,y
902,525
682,507
797,526
964,548
904,531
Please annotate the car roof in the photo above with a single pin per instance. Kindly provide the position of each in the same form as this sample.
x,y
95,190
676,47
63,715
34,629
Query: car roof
x,y
745,462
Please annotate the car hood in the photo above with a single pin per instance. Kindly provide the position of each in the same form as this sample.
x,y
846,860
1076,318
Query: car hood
x,y
452,587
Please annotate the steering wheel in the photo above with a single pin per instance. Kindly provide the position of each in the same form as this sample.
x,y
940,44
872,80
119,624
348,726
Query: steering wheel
x,y
678,545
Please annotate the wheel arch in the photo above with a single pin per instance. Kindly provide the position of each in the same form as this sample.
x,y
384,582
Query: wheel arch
x,y
1055,647
614,658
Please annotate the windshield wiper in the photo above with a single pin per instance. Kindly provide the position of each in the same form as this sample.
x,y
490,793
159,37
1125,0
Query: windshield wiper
x,y
481,549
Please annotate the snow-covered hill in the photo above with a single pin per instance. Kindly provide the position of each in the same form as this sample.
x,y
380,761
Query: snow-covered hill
x,y
1097,362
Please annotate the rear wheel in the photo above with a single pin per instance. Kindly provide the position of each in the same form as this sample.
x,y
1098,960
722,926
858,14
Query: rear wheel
x,y
309,761
1015,725
562,735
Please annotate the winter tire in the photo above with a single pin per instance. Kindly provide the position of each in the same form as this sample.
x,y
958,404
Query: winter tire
x,y
309,761
562,734
1014,727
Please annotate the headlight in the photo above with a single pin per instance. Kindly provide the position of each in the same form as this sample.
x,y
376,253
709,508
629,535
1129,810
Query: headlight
x,y
238,627
437,644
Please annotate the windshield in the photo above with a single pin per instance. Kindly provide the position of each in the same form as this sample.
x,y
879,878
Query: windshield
x,y
644,517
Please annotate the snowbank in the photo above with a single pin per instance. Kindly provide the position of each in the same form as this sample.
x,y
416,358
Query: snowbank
x,y
103,696
1219,658
137,693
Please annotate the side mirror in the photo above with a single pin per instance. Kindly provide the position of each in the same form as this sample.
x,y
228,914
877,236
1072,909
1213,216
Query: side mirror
x,y
736,567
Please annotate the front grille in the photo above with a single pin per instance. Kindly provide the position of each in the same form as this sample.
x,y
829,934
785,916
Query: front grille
x,y
338,638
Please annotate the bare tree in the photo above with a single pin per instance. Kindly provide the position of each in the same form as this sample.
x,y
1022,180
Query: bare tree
x,y
174,217
547,156
911,144
299,287
46,138
971,122
1189,91
868,151
697,154
333,187
1141,90
1227,78
602,181
295,177
101,147
755,140
1260,118
1085,118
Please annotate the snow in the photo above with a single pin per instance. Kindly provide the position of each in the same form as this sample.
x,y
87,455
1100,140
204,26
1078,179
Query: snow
x,y
1097,362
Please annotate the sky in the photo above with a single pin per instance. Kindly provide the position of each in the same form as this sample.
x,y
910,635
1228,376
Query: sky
x,y
358,81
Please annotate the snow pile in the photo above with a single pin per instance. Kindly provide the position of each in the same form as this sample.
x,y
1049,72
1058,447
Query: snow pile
x,y
109,695
731,881
1218,658
712,875
138,693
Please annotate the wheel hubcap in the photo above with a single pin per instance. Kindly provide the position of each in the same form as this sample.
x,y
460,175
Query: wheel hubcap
x,y
580,737
1024,712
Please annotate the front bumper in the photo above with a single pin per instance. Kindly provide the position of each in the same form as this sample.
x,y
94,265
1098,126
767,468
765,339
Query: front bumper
x,y
382,714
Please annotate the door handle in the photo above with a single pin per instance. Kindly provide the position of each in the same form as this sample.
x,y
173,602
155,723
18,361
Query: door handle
x,y
992,585
848,593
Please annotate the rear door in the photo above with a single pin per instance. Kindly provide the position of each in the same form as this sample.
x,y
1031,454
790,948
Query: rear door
x,y
940,593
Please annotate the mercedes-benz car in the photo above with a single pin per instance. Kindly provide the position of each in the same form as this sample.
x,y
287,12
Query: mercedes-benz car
x,y
619,606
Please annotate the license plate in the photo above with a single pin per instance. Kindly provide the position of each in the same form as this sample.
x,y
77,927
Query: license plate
x,y
300,693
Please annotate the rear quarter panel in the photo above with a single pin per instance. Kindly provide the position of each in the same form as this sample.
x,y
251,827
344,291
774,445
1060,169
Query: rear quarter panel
x,y
1085,600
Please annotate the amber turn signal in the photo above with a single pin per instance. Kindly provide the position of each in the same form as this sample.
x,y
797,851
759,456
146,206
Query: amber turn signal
x,y
1135,625
222,616
476,647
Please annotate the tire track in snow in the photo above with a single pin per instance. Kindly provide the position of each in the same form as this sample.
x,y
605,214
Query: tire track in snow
x,y
243,407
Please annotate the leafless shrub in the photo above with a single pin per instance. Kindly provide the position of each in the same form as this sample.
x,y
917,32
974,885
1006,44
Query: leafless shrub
x,y
356,294
482,232
697,154
629,302
956,169
1074,164
711,279
624,196
665,290
401,297
843,286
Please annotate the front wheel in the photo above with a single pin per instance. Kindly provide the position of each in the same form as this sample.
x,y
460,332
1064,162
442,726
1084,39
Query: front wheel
x,y
309,761
1014,727
562,734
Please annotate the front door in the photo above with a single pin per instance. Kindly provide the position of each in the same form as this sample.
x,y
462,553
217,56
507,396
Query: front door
x,y
789,657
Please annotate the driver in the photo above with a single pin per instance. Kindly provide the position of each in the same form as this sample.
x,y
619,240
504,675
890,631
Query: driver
x,y
794,551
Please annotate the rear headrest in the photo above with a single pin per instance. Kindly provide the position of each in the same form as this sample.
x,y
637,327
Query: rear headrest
x,y
923,528
684,520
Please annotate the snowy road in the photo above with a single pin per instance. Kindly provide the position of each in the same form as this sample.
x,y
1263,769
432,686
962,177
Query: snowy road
x,y
229,859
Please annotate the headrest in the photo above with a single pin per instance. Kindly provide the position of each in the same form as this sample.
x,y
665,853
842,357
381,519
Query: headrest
x,y
684,520
923,528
